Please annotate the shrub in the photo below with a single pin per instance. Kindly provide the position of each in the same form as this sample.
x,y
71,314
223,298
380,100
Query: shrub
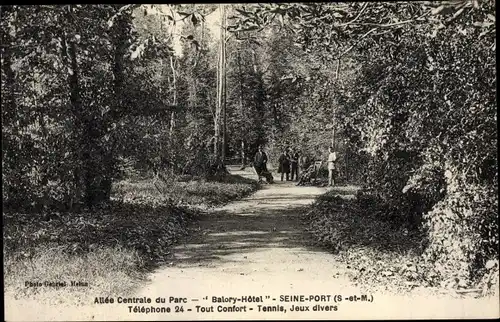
x,y
463,230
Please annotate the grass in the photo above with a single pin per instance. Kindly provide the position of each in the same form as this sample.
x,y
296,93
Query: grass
x,y
380,254
108,271
112,247
192,192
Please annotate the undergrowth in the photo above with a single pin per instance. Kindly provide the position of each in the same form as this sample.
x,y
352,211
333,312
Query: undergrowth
x,y
380,253
187,191
110,247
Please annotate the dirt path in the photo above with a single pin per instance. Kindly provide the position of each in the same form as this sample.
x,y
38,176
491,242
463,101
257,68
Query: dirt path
x,y
257,247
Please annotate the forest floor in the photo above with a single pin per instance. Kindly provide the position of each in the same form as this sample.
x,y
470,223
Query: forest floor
x,y
257,246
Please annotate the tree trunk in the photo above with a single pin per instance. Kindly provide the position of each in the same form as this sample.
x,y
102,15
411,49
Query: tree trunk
x,y
174,99
217,118
219,113
259,101
80,173
332,143
242,111
243,157
9,112
347,163
337,74
275,115
103,191
224,103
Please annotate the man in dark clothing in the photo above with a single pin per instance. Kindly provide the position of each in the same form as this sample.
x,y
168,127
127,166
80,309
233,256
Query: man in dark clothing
x,y
294,161
260,163
284,161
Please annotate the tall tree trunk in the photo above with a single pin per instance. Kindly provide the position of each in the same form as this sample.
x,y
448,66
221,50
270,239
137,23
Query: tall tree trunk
x,y
103,189
219,112
275,115
10,150
242,112
347,163
174,95
224,91
259,101
218,106
81,175
40,109
337,75
243,157
332,143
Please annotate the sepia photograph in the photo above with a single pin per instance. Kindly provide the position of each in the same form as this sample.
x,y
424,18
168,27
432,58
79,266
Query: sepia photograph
x,y
250,161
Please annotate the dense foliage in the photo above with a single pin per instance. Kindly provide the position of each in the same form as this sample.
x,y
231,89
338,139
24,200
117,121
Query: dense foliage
x,y
418,104
91,91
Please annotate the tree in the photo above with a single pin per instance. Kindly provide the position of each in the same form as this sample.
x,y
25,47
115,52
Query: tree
x,y
406,106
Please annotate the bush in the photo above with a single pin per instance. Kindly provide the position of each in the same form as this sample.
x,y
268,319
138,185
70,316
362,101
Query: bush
x,y
463,231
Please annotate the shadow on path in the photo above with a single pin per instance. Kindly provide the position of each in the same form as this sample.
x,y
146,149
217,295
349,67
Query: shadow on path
x,y
270,218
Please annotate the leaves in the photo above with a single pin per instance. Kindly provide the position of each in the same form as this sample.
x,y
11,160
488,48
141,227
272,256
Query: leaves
x,y
384,106
380,254
243,12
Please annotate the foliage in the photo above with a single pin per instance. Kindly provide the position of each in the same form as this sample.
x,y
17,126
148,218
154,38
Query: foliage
x,y
444,129
194,191
380,254
419,105
115,244
463,231
93,90
123,222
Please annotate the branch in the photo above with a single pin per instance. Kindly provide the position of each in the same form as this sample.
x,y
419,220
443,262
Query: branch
x,y
455,16
356,18
267,69
384,25
337,70
382,33
419,18
351,47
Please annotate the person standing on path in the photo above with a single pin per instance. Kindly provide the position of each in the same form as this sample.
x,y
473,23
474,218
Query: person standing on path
x,y
332,158
284,161
294,160
260,163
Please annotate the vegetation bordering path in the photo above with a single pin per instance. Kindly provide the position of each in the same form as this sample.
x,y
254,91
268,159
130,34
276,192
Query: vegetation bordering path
x,y
380,252
110,247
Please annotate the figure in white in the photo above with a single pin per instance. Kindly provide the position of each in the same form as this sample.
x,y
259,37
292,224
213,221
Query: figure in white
x,y
332,158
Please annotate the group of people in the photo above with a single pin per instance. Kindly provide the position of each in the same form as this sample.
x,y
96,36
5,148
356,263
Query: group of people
x,y
289,163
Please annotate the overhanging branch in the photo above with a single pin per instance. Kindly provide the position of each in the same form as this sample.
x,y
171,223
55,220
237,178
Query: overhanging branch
x,y
356,18
351,47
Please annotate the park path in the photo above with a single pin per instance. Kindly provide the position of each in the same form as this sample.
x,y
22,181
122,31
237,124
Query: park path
x,y
257,247
252,247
